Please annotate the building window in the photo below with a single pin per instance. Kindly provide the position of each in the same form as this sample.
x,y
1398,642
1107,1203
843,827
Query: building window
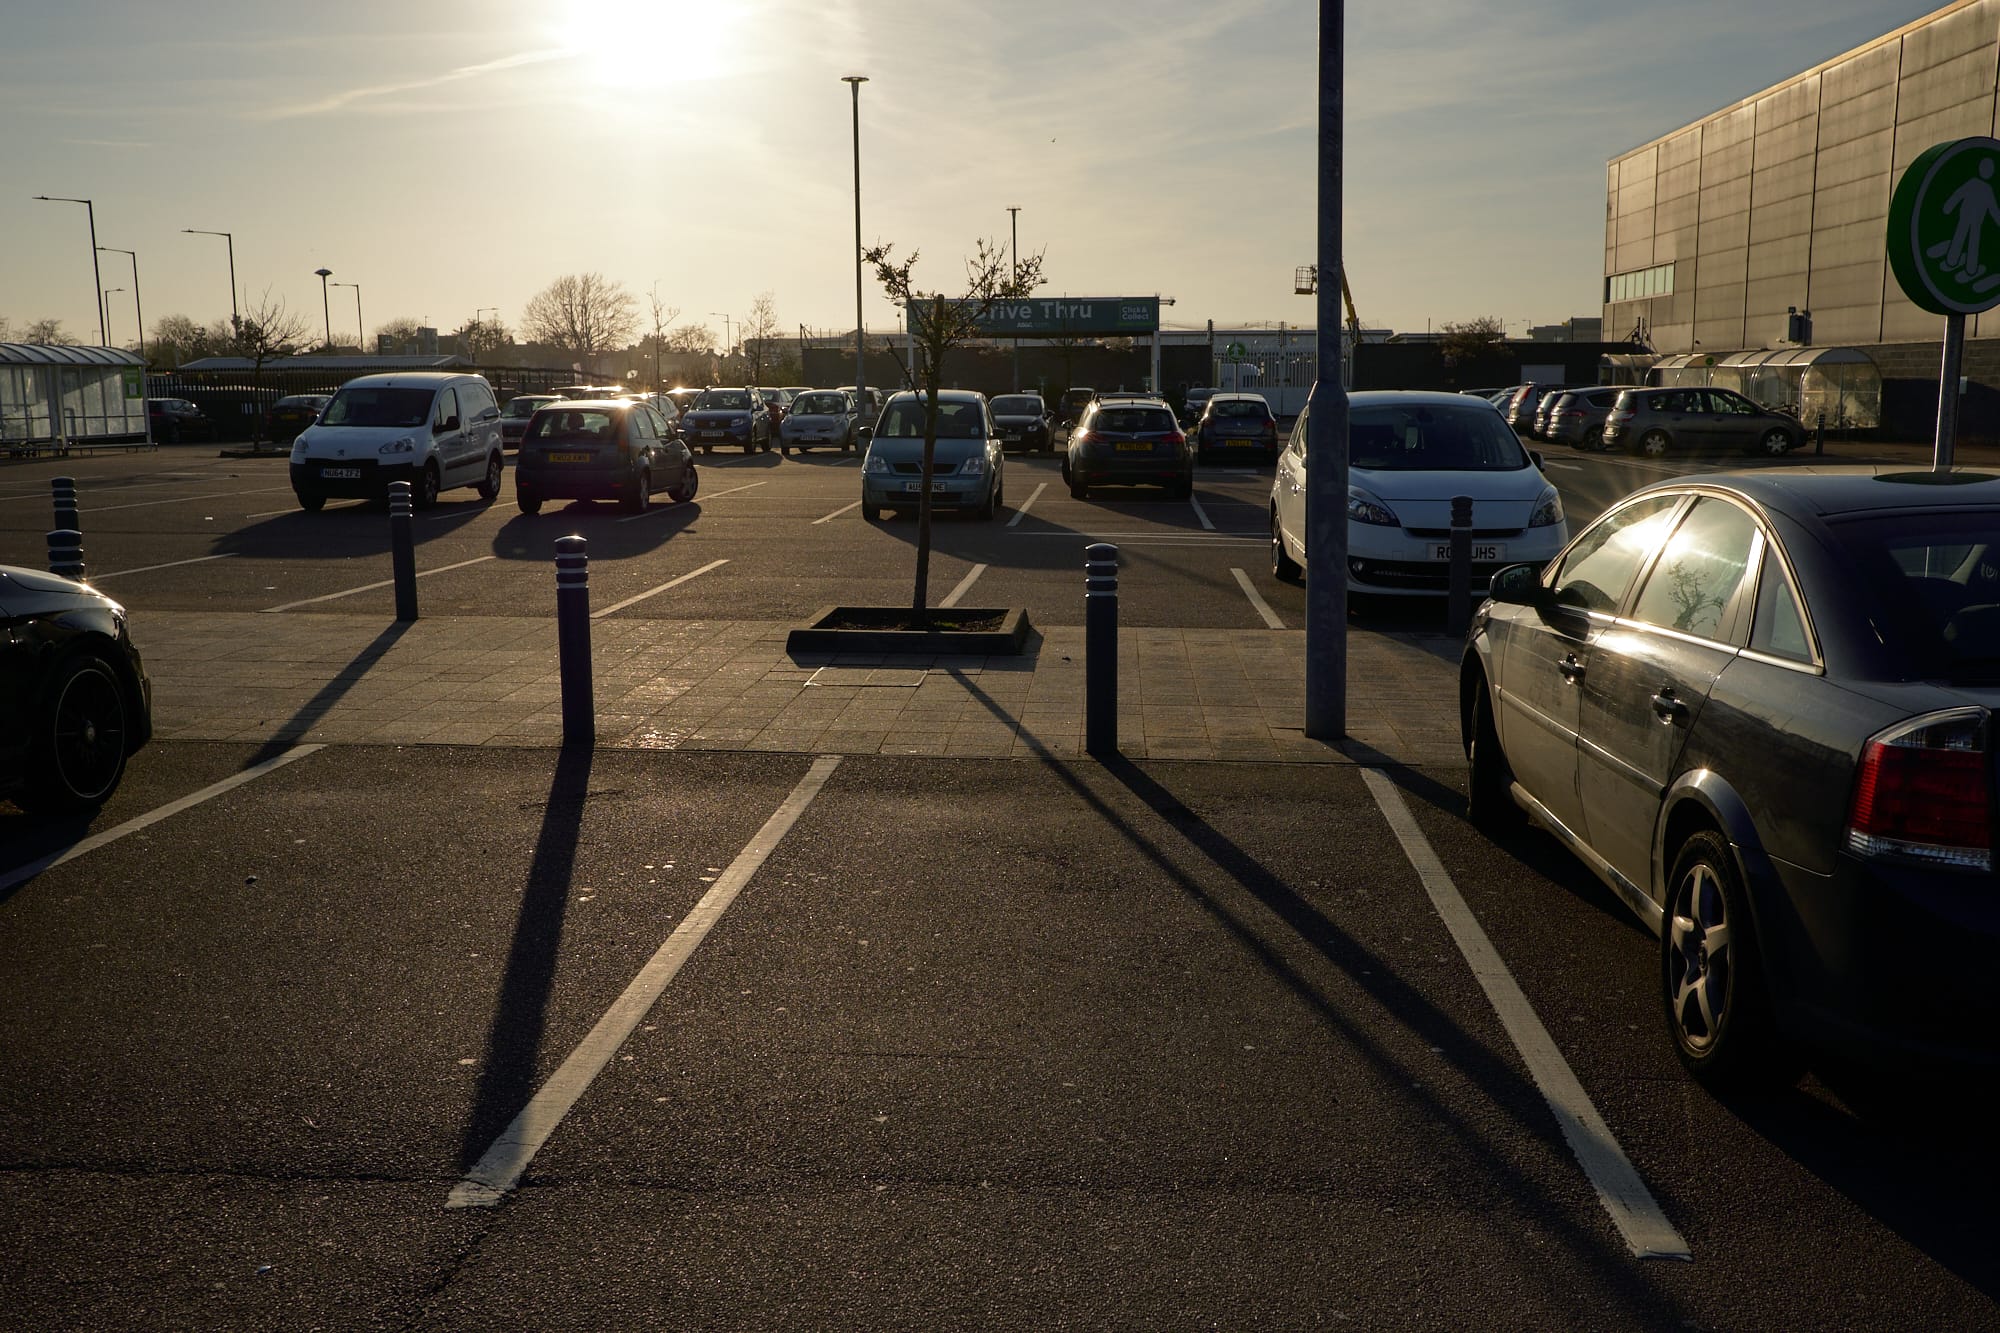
x,y
1639,284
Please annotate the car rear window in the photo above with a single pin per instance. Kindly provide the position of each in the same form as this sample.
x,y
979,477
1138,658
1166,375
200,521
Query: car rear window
x,y
379,407
1432,437
1934,585
1017,406
574,426
1237,407
1134,420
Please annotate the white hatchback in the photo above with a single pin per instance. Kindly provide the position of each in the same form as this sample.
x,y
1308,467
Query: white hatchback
x,y
1408,455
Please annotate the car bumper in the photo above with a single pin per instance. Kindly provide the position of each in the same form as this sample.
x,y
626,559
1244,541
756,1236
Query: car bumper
x,y
368,480
1396,563
895,492
1137,470
574,482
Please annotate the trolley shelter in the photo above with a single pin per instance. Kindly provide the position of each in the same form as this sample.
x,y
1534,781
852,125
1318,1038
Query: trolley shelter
x,y
54,399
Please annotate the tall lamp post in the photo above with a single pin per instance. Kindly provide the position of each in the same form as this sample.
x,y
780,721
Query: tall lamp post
x,y
727,340
96,278
1014,259
104,309
325,309
359,337
854,82
235,319
137,306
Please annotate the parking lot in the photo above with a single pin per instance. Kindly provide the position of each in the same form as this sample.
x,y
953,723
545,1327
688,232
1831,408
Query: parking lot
x,y
916,1017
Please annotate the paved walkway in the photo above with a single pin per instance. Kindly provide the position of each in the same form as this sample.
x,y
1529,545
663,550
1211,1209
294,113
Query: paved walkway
x,y
730,685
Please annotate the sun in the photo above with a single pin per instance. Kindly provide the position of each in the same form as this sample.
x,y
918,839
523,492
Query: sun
x,y
656,43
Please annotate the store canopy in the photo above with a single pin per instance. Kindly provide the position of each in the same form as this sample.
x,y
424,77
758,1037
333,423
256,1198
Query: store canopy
x,y
53,354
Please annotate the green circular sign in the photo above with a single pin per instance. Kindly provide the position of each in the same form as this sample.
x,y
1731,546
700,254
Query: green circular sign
x,y
1944,228
1234,349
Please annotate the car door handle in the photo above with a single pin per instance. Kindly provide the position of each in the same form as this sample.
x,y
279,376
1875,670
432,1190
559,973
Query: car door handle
x,y
1668,708
1572,670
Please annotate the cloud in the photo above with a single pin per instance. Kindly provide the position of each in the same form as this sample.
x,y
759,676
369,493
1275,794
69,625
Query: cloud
x,y
345,99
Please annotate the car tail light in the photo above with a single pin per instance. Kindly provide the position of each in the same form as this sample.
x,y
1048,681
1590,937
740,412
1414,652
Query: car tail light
x,y
1172,437
1079,437
1923,793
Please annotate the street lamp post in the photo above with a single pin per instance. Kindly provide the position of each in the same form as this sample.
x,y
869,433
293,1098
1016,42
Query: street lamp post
x,y
96,278
727,340
854,82
235,319
137,305
1014,259
360,342
325,309
104,309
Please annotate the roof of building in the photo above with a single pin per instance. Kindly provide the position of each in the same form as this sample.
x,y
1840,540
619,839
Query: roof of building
x,y
55,354
358,365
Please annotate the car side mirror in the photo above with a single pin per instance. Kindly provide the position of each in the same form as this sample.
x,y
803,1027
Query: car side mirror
x,y
1520,585
449,423
1536,456
490,414
865,433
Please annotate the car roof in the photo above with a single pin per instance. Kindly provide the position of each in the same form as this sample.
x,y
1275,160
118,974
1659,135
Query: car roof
x,y
944,395
1819,492
1406,397
1246,397
614,404
410,379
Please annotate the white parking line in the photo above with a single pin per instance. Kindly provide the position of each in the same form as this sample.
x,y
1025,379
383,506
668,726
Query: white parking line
x,y
294,509
1256,600
1201,514
499,1169
1139,534
1567,467
370,587
1633,1210
964,586
654,592
146,569
1022,512
89,509
657,510
836,513
21,874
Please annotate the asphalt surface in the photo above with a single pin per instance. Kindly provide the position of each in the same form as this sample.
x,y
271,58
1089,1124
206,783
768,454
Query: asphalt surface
x,y
983,1043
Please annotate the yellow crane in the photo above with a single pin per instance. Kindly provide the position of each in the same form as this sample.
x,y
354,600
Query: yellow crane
x,y
1305,282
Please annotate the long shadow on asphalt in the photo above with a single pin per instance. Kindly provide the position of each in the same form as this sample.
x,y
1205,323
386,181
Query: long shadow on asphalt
x,y
1621,1280
533,536
520,1014
342,531
294,728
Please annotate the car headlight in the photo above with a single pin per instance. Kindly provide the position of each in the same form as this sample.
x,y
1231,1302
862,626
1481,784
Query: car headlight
x,y
1548,510
406,445
1365,508
738,426
971,467
875,463
299,447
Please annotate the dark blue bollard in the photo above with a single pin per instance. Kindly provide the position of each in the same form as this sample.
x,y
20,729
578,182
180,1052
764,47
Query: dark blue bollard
x,y
64,490
402,550
1458,595
66,553
1100,648
579,712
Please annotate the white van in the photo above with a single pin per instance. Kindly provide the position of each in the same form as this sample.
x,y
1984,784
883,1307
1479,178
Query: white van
x,y
433,430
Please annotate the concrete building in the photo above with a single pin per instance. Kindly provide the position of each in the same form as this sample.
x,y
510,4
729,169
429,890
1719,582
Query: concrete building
x,y
1716,232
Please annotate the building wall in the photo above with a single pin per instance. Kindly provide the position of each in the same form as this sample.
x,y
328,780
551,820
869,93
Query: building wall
x,y
1782,200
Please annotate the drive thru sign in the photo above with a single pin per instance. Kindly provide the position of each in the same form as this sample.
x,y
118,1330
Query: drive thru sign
x,y
1944,247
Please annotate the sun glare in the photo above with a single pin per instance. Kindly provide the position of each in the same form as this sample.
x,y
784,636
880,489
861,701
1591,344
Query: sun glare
x,y
649,42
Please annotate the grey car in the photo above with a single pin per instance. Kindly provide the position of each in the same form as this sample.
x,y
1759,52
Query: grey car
x,y
1577,419
967,467
819,418
1760,707
1661,421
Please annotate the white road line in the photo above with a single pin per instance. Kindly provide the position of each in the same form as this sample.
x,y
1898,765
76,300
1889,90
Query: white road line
x,y
1633,1210
22,874
654,592
1190,534
370,587
1201,514
715,495
1022,512
1567,467
964,586
89,509
500,1168
1256,599
146,569
836,513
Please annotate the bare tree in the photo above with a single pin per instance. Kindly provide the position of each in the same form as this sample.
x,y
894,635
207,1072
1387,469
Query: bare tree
x,y
6,329
938,324
481,336
663,315
400,331
265,331
1473,338
756,331
582,313
48,333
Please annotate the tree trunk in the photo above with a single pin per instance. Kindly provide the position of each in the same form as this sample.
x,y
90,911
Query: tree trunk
x,y
920,596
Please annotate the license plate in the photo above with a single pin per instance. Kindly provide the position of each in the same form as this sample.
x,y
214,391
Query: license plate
x,y
937,487
341,473
569,458
1484,553
713,434
1134,447
1239,444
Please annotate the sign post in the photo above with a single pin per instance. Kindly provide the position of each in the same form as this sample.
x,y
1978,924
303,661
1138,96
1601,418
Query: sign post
x,y
1938,222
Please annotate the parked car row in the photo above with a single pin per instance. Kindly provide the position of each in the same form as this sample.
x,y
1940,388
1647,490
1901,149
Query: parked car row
x,y
1651,421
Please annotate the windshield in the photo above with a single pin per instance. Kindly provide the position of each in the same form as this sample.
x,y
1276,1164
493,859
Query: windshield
x,y
904,419
1432,437
1239,407
524,407
574,426
723,400
1935,581
379,407
820,404
1017,405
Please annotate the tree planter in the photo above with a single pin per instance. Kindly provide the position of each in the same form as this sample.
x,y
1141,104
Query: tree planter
x,y
954,631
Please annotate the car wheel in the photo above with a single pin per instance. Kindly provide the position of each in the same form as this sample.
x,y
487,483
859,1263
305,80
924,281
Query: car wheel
x,y
1283,567
79,738
1775,443
1079,490
638,496
1489,801
690,483
785,450
1183,489
489,486
1712,980
1654,443
530,504
708,448
311,501
426,496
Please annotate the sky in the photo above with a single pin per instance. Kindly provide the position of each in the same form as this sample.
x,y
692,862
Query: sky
x,y
452,156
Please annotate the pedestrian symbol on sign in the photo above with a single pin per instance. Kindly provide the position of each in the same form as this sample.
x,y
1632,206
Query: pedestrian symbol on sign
x,y
1939,242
